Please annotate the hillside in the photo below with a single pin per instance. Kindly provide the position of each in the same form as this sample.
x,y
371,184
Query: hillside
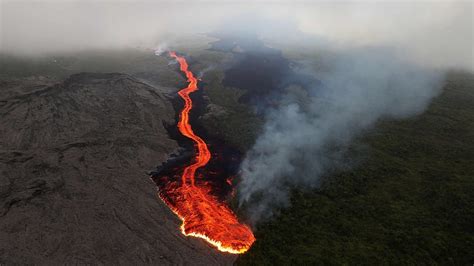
x,y
74,189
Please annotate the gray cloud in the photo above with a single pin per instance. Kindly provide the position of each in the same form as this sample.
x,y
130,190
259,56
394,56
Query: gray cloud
x,y
433,32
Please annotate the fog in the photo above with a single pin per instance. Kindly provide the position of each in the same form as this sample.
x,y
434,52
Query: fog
x,y
435,33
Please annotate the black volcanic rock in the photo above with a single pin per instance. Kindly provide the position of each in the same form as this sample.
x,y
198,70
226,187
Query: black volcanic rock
x,y
73,183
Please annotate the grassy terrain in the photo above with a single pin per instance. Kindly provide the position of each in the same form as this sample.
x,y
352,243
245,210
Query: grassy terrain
x,y
411,201
237,125
225,118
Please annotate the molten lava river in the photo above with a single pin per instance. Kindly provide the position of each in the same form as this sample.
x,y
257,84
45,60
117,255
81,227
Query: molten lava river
x,y
191,198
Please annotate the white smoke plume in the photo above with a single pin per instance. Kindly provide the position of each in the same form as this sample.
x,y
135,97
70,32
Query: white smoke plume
x,y
161,48
305,138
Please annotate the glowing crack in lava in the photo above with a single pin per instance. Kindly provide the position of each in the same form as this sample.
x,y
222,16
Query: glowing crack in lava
x,y
202,213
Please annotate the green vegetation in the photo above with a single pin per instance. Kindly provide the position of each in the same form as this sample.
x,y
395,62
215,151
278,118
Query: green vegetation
x,y
235,123
410,201
225,118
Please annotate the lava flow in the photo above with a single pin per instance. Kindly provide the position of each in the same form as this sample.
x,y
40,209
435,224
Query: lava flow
x,y
202,213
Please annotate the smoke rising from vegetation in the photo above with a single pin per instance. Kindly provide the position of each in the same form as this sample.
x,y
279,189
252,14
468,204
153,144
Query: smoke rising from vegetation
x,y
305,138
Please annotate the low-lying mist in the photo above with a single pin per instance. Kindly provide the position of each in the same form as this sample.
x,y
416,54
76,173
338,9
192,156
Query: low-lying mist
x,y
439,33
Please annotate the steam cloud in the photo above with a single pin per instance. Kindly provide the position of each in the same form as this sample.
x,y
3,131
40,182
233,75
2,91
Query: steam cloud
x,y
305,138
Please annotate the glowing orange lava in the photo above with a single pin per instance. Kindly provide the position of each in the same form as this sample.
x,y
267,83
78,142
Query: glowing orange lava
x,y
203,215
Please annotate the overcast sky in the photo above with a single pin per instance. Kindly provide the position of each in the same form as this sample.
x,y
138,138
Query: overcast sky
x,y
434,32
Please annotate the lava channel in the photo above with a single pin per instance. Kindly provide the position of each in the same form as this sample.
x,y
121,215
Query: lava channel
x,y
203,215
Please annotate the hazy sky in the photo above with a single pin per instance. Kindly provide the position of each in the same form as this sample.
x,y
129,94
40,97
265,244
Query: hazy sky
x,y
439,33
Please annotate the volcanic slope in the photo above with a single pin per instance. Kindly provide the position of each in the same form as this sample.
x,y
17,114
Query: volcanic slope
x,y
73,183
